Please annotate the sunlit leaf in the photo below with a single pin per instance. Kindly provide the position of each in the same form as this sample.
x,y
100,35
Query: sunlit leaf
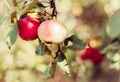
x,y
28,5
113,25
64,66
116,57
12,35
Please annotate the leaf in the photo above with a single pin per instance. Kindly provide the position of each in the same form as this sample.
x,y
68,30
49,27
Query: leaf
x,y
47,71
50,70
38,9
61,56
110,54
66,41
113,25
76,42
64,66
70,55
27,6
5,17
12,35
40,49
53,69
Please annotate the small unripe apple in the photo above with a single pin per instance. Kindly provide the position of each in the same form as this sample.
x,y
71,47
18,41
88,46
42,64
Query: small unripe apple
x,y
27,28
52,31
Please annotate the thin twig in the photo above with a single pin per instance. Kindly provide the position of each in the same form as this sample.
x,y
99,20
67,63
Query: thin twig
x,y
53,6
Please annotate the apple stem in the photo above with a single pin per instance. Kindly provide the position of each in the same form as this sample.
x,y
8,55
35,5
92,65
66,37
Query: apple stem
x,y
58,52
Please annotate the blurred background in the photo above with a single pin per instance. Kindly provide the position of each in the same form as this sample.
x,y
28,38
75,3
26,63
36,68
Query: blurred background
x,y
87,18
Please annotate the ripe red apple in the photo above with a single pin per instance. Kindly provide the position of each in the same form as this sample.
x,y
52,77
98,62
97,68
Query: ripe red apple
x,y
52,31
27,28
92,54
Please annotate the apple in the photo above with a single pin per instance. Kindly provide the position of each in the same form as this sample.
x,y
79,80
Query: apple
x,y
52,31
92,54
27,28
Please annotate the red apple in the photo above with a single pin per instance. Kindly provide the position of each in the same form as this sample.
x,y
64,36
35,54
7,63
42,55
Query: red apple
x,y
92,54
27,28
52,31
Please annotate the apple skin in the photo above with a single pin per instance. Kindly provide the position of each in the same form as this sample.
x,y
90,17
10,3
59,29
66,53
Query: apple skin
x,y
52,31
27,28
92,54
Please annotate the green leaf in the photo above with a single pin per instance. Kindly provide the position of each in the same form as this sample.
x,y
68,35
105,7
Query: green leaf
x,y
28,5
110,54
40,49
4,18
70,55
38,9
66,41
47,71
12,35
113,25
64,66
50,70
76,42
61,56
53,69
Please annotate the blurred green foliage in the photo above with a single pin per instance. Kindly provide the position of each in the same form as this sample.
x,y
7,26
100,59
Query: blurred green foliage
x,y
88,18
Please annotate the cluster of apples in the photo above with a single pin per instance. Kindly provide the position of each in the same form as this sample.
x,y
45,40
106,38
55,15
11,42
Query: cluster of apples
x,y
48,31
